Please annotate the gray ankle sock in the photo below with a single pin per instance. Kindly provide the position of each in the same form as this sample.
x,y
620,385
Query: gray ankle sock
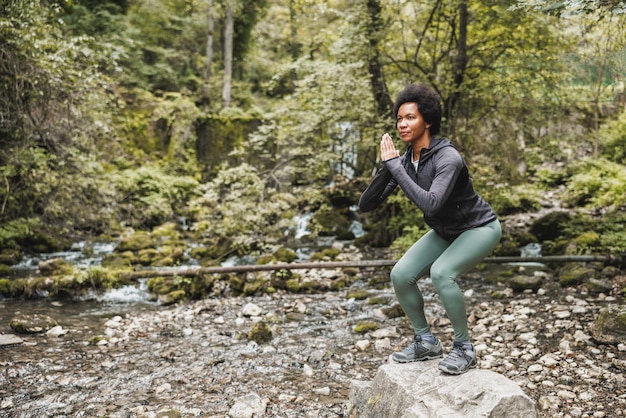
x,y
428,337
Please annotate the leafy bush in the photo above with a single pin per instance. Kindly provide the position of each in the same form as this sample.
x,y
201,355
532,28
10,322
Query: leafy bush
x,y
150,197
613,140
596,183
238,206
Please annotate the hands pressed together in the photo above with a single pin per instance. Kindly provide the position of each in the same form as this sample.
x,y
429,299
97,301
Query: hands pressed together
x,y
387,148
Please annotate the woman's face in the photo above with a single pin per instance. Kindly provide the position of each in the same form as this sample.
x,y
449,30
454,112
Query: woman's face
x,y
410,123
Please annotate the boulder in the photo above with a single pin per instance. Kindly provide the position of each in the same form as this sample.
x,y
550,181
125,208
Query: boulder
x,y
609,326
32,324
420,390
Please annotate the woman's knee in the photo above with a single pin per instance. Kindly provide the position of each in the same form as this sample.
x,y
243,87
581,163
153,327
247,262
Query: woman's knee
x,y
400,278
441,277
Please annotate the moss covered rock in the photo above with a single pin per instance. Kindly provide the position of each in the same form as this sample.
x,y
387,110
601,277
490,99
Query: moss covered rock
x,y
260,333
5,270
610,325
574,274
365,326
139,240
172,297
119,261
394,311
10,256
32,324
55,267
599,286
285,255
521,283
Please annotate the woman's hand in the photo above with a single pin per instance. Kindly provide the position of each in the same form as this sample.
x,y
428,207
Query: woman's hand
x,y
387,148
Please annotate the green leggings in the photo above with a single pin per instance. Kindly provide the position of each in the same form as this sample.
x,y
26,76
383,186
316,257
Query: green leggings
x,y
446,260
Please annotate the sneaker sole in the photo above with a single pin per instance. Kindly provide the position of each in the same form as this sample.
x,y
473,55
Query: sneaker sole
x,y
428,357
458,372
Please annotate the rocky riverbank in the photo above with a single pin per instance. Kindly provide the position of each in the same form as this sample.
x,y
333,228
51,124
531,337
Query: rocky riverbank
x,y
201,358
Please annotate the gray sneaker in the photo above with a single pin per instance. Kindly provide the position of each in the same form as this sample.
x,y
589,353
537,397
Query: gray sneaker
x,y
459,360
419,350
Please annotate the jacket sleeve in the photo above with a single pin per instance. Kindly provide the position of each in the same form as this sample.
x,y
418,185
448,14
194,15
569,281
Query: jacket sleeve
x,y
449,166
378,190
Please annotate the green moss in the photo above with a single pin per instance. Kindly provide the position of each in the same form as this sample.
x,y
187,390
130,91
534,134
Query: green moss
x,y
285,255
366,326
325,254
351,271
10,256
167,230
200,253
147,257
293,285
588,239
174,254
379,282
5,287
140,240
260,333
340,283
96,339
378,301
236,284
120,261
55,266
173,297
498,294
574,274
160,285
253,287
394,311
358,294
5,270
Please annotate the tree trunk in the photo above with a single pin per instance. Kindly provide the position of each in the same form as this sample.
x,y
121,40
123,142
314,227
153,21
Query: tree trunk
x,y
456,97
228,54
209,56
384,104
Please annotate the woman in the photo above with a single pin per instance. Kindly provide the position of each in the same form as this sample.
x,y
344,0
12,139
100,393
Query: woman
x,y
464,231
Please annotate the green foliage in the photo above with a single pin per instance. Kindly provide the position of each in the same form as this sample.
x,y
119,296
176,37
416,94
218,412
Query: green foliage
x,y
150,197
507,200
613,135
237,205
596,183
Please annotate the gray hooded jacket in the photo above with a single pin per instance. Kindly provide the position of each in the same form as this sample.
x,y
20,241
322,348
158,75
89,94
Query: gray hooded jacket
x,y
441,188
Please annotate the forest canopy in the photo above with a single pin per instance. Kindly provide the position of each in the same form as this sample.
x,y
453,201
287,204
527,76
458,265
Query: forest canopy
x,y
238,115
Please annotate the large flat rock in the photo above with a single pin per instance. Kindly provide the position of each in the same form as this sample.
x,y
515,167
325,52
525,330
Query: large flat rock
x,y
420,390
7,340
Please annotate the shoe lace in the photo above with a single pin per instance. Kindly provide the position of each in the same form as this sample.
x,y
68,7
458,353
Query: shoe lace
x,y
457,353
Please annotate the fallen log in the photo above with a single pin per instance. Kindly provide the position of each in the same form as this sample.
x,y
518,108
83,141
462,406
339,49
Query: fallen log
x,y
194,271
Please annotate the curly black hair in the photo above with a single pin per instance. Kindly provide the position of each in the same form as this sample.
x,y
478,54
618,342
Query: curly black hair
x,y
428,104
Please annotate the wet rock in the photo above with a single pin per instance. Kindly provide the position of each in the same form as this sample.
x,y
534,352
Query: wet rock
x,y
521,283
248,406
421,390
599,286
610,325
574,274
56,331
10,340
55,267
32,324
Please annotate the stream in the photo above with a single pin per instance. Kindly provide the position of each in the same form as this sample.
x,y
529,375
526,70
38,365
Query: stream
x,y
120,355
